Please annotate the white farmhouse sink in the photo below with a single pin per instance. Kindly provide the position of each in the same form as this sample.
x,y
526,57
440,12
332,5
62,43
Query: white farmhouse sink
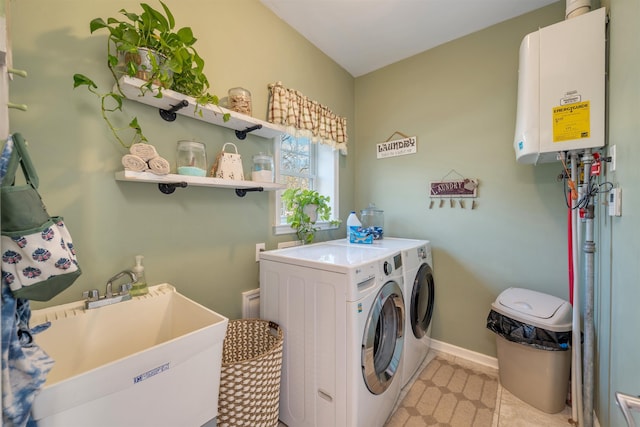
x,y
152,361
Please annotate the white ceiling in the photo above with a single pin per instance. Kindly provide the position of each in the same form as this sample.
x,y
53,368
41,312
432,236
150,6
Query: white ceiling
x,y
365,35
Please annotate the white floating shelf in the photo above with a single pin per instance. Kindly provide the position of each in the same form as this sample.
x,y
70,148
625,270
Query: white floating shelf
x,y
210,113
173,180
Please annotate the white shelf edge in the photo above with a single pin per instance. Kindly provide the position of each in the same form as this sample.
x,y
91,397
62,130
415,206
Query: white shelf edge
x,y
210,113
198,181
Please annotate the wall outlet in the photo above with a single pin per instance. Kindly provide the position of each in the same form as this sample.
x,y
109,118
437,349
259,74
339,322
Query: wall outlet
x,y
260,247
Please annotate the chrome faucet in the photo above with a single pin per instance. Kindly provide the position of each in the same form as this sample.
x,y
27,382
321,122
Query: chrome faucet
x,y
94,300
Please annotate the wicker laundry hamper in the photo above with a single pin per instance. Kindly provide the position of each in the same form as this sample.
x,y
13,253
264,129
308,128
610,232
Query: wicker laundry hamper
x,y
251,371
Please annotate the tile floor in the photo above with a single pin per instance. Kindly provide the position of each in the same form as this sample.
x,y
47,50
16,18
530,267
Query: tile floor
x,y
510,411
513,412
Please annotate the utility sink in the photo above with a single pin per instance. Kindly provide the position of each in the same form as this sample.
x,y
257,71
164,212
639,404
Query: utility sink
x,y
152,361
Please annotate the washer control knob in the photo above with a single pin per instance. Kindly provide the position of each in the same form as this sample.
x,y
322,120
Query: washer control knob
x,y
388,269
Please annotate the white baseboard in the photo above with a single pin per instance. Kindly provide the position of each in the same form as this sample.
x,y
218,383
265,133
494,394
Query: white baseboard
x,y
463,353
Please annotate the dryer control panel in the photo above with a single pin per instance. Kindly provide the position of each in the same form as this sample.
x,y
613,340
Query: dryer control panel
x,y
389,266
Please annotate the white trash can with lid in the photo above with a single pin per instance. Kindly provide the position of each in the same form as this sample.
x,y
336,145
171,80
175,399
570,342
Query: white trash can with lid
x,y
533,337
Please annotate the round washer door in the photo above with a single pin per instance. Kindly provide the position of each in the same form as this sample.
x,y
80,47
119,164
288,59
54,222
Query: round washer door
x,y
421,308
383,338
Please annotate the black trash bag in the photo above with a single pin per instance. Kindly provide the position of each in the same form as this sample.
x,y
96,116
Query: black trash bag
x,y
523,333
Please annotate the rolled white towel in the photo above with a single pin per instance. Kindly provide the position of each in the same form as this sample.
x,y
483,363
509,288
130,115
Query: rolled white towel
x,y
159,166
145,151
134,163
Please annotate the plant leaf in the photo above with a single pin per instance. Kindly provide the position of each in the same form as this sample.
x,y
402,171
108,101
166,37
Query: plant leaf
x,y
163,24
134,125
186,35
133,17
113,60
96,24
117,98
81,79
172,22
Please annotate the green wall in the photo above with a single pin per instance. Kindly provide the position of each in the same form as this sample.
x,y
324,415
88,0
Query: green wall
x,y
618,292
458,99
201,240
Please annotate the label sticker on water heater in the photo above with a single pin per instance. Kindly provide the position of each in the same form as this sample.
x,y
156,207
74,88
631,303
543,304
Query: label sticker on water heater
x,y
571,121
571,97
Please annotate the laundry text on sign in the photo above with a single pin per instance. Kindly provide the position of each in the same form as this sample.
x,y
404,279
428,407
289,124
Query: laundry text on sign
x,y
398,147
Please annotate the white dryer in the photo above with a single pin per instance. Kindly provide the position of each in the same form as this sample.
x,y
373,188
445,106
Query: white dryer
x,y
419,294
342,313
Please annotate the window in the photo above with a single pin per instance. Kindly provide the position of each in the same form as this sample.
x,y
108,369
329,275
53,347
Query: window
x,y
297,162
305,164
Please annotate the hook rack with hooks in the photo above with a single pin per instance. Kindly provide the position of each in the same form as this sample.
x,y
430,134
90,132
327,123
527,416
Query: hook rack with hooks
x,y
452,203
458,188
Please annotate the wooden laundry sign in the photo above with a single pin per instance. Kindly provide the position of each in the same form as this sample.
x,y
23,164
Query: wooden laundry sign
x,y
454,188
398,147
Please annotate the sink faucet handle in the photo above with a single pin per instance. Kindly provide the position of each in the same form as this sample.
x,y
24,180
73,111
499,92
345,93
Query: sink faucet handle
x,y
125,288
91,295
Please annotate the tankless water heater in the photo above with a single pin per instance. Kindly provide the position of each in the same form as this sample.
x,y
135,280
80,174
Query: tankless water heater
x,y
561,89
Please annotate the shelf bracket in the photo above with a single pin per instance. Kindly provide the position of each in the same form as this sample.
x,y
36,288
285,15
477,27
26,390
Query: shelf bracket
x,y
169,188
242,134
241,192
170,114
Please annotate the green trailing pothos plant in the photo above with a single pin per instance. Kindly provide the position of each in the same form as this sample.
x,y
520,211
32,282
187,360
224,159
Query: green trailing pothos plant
x,y
304,208
148,46
111,102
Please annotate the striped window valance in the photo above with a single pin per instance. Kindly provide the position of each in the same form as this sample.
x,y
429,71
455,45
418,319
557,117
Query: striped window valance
x,y
304,117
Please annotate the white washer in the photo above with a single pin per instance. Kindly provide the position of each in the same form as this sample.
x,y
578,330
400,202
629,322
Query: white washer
x,y
342,313
419,293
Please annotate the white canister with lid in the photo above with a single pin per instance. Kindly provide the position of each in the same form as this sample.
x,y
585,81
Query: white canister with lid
x,y
262,170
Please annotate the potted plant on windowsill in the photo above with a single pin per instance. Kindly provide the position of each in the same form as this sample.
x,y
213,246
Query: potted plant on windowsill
x,y
149,47
304,208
